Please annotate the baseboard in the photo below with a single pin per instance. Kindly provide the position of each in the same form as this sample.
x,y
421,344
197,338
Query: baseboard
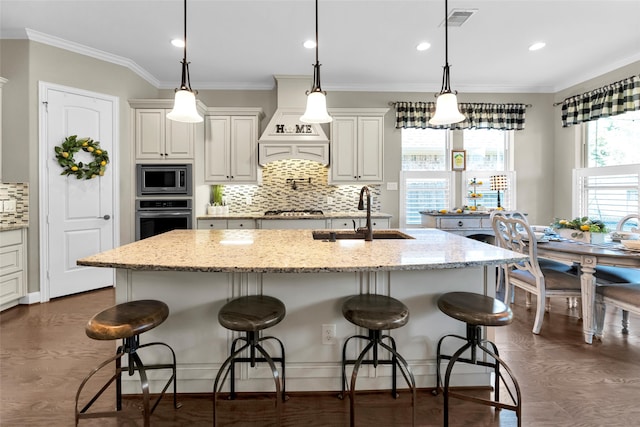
x,y
30,298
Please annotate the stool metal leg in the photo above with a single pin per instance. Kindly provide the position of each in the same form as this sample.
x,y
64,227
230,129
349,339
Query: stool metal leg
x,y
373,341
228,367
130,348
473,343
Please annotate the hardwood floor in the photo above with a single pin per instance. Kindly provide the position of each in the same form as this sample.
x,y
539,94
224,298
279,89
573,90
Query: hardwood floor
x,y
44,354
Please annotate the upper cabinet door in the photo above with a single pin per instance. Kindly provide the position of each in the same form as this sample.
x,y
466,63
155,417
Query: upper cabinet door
x,y
158,138
217,144
370,149
344,149
244,149
179,140
150,133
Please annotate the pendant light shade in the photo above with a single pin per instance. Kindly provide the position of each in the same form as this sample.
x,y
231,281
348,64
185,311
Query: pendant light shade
x,y
316,111
184,106
447,111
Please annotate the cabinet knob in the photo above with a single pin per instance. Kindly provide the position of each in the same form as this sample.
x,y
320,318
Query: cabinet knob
x,y
355,177
460,223
241,225
211,225
166,154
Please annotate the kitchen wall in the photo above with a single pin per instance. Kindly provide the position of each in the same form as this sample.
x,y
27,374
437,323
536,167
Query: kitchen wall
x,y
544,152
275,193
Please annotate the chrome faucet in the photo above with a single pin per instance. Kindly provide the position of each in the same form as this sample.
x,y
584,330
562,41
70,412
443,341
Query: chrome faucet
x,y
367,229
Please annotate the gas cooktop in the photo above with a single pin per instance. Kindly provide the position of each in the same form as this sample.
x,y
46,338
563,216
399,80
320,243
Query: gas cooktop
x,y
293,212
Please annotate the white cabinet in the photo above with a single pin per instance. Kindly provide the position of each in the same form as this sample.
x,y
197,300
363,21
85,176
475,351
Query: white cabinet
x,y
357,145
231,148
347,223
158,138
289,224
226,224
13,267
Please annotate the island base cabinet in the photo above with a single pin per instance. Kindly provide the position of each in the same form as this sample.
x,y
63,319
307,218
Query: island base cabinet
x,y
312,300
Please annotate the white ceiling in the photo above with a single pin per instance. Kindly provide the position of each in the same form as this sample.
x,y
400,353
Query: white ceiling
x,y
364,44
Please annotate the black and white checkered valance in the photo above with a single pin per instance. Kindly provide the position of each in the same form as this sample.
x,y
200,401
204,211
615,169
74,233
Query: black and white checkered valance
x,y
478,116
610,100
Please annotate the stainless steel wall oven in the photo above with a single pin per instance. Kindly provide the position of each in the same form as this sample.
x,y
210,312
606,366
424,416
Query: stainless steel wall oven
x,y
156,216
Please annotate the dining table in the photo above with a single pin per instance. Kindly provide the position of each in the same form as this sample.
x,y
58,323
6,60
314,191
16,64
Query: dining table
x,y
587,256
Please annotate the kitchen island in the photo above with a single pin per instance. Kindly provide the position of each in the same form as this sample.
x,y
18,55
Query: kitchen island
x,y
196,271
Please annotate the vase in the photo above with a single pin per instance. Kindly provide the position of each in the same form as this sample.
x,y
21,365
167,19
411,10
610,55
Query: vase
x,y
581,236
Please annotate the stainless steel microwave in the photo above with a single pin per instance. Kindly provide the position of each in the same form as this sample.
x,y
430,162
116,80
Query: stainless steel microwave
x,y
161,179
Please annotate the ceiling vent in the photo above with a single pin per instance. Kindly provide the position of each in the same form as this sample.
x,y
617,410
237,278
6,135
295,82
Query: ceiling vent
x,y
457,17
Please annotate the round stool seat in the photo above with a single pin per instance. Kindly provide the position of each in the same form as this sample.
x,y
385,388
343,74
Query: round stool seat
x,y
127,319
375,312
252,313
475,309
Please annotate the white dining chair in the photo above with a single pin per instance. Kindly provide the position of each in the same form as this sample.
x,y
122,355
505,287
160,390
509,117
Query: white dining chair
x,y
544,262
516,235
625,296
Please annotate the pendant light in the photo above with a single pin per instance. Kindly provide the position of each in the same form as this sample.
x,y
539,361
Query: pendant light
x,y
447,103
184,106
316,111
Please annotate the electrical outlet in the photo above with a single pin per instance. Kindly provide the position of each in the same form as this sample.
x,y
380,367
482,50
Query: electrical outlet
x,y
329,334
247,200
329,200
10,205
392,186
1,206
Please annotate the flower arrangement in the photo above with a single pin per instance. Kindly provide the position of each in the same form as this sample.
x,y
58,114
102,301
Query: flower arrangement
x,y
581,224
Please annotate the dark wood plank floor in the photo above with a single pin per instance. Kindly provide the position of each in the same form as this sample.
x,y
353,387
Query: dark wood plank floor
x,y
44,354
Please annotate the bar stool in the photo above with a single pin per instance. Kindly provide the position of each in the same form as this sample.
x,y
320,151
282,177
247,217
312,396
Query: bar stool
x,y
476,311
251,314
127,321
376,313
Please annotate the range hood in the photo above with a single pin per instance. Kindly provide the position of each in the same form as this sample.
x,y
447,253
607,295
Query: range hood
x,y
286,137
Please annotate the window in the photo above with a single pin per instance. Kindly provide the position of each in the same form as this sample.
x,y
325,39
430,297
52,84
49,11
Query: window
x,y
488,153
426,183
607,188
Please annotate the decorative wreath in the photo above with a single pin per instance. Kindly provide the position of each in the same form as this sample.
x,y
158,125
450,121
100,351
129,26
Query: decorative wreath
x,y
70,146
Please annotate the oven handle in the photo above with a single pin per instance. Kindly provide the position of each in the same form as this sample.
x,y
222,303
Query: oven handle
x,y
163,213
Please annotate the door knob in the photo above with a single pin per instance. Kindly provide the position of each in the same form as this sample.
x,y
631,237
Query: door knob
x,y
106,217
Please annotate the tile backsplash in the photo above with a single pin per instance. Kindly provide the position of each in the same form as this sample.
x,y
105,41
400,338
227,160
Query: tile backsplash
x,y
20,193
310,191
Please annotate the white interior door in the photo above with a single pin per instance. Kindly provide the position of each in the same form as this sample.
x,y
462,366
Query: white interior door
x,y
78,214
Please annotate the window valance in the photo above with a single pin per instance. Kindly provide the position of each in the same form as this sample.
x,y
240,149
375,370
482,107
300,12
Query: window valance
x,y
609,100
478,116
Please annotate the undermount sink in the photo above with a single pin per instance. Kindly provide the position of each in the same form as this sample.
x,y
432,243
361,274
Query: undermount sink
x,y
331,235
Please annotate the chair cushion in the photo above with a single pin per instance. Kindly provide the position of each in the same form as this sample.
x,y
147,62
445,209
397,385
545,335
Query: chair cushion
x,y
550,264
553,279
605,273
627,293
127,319
375,312
251,313
475,309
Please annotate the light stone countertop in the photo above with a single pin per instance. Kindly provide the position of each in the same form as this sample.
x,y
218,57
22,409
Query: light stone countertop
x,y
295,251
349,214
9,227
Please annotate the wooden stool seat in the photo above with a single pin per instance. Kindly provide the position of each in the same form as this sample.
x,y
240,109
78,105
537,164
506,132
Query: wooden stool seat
x,y
127,319
475,309
375,312
252,313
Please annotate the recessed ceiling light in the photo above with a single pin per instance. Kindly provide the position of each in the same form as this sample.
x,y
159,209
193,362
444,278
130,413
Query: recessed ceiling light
x,y
423,46
177,42
537,46
310,44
